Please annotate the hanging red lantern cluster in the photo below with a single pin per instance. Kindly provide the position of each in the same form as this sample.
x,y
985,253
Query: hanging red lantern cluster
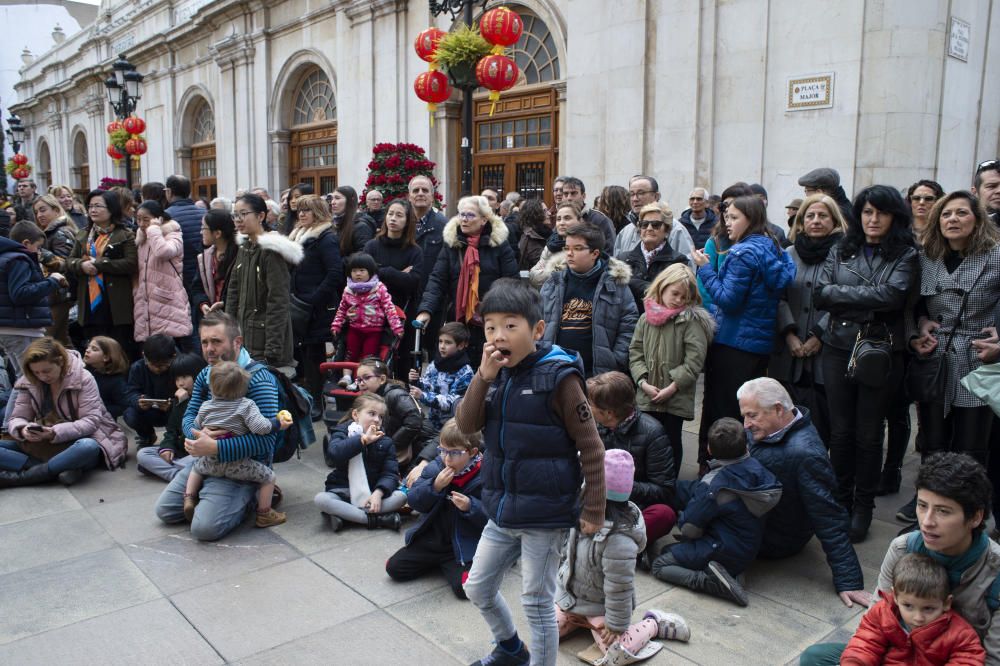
x,y
496,72
431,86
17,166
20,159
125,138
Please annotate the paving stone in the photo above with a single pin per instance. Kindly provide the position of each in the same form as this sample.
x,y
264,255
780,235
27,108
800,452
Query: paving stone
x,y
133,520
60,536
299,482
60,594
361,565
872,550
151,633
246,614
177,562
21,504
101,486
309,532
373,638
765,633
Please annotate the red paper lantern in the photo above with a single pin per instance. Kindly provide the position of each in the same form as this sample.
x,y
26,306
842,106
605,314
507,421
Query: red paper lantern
x,y
135,147
426,43
114,126
114,153
501,27
19,173
496,73
19,159
134,125
433,88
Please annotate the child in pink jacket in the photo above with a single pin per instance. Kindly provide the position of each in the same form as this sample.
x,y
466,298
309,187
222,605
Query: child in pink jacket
x,y
364,308
161,300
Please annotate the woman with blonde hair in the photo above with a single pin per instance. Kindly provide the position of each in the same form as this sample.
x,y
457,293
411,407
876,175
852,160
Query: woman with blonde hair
x,y
72,207
475,254
818,226
668,351
59,231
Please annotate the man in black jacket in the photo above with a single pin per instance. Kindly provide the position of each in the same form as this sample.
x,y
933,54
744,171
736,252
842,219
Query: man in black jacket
x,y
784,440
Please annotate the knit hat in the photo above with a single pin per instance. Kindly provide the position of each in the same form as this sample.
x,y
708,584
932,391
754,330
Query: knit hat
x,y
823,178
619,473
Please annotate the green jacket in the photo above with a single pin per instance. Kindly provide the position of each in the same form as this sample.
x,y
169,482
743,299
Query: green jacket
x,y
672,352
118,265
258,296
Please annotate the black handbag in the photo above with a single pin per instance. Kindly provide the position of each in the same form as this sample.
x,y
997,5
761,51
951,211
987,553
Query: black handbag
x,y
871,358
300,313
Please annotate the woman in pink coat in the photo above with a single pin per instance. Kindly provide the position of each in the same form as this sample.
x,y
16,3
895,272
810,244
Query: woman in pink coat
x,y
161,301
59,426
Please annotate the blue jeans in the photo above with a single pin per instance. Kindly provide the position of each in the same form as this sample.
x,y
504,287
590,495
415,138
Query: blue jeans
x,y
143,421
148,461
538,549
222,508
83,454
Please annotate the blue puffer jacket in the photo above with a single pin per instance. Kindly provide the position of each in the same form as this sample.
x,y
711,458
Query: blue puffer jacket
x,y
430,503
531,467
797,457
721,514
746,291
24,292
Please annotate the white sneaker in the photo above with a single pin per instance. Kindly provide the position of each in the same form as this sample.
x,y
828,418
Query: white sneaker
x,y
670,626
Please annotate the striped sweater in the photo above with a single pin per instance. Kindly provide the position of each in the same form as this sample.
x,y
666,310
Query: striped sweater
x,y
237,417
263,391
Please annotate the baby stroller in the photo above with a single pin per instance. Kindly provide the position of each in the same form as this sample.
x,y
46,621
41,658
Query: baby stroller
x,y
338,399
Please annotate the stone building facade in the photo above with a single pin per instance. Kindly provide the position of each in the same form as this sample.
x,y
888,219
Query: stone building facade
x,y
245,93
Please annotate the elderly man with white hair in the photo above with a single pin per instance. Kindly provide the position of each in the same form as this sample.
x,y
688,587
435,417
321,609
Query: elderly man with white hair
x,y
785,441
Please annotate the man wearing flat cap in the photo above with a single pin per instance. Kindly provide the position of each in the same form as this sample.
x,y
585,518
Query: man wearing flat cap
x,y
827,181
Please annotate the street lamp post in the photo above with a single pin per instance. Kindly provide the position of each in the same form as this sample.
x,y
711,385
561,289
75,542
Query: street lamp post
x,y
124,92
454,7
15,135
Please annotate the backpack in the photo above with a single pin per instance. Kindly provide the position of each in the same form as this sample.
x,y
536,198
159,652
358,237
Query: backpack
x,y
299,404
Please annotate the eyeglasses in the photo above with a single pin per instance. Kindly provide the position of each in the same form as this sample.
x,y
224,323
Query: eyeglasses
x,y
468,216
988,164
923,199
451,453
97,207
638,194
243,213
577,248
657,224
365,378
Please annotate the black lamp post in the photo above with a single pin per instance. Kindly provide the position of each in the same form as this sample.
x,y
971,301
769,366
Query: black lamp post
x,y
15,133
124,92
454,7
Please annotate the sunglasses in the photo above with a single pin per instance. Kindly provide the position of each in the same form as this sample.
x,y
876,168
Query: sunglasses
x,y
988,164
657,225
923,199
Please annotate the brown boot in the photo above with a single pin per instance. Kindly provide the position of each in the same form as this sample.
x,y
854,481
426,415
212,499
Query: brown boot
x,y
269,518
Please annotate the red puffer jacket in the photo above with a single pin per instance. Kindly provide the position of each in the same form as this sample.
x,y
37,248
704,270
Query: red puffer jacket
x,y
880,639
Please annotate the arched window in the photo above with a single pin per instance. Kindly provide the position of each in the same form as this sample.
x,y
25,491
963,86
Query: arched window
x,y
535,53
204,183
81,166
43,177
314,132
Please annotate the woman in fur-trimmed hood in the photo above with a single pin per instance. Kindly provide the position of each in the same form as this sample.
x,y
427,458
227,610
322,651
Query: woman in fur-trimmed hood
x,y
259,285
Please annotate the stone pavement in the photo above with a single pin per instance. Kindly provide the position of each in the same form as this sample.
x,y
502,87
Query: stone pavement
x,y
88,575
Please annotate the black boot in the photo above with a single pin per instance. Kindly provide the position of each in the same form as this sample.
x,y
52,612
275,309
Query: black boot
x,y
889,483
29,477
70,476
861,520
389,521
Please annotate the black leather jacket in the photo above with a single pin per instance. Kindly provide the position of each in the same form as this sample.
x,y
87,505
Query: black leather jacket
x,y
857,290
644,437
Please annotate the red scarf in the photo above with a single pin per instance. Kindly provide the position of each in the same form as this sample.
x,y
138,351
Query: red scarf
x,y
468,473
467,298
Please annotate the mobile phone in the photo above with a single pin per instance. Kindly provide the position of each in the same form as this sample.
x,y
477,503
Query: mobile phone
x,y
34,427
158,402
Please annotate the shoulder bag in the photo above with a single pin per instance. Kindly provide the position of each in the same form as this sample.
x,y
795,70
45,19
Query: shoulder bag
x,y
871,357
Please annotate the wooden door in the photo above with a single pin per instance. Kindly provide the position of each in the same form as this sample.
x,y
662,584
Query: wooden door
x,y
314,158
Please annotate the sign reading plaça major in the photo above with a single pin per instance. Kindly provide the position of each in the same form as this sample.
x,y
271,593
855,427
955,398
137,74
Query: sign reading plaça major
x,y
814,91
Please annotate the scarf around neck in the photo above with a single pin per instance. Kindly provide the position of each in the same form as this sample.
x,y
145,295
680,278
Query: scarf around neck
x,y
468,472
658,314
453,363
362,287
555,243
467,296
814,250
598,266
955,564
98,241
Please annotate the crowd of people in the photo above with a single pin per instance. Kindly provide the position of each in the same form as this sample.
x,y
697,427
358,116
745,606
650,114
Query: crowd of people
x,y
566,341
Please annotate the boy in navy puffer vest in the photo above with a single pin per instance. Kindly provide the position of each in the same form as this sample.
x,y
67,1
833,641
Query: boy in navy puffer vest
x,y
24,291
540,444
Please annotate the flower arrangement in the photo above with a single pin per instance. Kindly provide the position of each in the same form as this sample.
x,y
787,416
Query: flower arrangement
x,y
108,183
391,168
458,52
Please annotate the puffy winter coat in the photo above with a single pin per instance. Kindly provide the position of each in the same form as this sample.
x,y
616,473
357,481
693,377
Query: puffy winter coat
x,y
597,573
258,296
614,314
430,503
672,352
496,260
721,514
318,280
373,308
392,258
118,266
643,273
548,263
24,291
60,236
161,302
746,291
646,440
530,248
797,457
379,458
881,640
403,420
79,407
856,290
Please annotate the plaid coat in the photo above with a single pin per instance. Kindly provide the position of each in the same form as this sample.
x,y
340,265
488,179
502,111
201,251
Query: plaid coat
x,y
941,296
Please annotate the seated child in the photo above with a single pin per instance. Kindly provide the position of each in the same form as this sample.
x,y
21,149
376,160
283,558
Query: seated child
x,y
106,361
362,488
148,381
229,409
364,308
445,379
452,518
595,586
721,518
914,624
163,461
402,421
